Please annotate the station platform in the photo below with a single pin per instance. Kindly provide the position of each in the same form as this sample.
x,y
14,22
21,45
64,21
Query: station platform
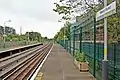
x,y
59,66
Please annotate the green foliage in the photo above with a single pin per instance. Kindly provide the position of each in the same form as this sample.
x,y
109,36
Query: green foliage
x,y
63,33
22,38
80,56
12,37
63,9
8,30
1,30
7,38
45,39
15,39
33,36
114,29
68,8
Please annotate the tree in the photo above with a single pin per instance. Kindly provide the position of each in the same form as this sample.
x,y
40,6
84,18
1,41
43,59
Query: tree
x,y
8,30
63,33
1,30
33,36
69,8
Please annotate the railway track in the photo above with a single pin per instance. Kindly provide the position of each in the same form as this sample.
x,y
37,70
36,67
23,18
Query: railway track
x,y
20,67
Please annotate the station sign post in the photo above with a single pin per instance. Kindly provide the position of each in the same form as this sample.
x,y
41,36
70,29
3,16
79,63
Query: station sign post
x,y
103,14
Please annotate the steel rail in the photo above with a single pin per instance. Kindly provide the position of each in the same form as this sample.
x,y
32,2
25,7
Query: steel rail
x,y
14,59
18,62
36,57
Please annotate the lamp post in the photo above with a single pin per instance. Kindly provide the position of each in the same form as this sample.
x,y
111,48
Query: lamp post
x,y
4,31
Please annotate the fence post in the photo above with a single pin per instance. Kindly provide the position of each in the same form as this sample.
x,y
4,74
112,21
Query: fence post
x,y
80,38
114,60
70,44
64,44
74,41
94,68
67,45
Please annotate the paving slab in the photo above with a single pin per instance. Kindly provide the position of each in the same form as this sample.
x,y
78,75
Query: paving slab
x,y
59,66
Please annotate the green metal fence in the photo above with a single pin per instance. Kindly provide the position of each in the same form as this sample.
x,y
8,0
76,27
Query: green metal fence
x,y
113,57
87,36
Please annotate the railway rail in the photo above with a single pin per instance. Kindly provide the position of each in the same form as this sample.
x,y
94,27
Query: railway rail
x,y
21,66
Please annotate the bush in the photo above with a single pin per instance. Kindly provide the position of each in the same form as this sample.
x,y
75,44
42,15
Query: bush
x,y
80,56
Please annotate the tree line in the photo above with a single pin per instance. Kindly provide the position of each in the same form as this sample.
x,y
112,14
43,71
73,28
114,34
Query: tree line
x,y
73,9
11,35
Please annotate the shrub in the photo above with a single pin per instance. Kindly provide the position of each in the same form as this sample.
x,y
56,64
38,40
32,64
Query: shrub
x,y
80,56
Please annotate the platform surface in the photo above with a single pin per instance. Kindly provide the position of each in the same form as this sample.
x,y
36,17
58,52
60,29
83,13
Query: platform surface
x,y
59,66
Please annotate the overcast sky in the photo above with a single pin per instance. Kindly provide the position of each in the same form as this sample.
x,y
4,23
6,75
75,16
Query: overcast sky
x,y
31,15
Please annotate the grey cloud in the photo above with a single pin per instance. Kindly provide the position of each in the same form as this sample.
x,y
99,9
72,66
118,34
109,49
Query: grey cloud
x,y
39,9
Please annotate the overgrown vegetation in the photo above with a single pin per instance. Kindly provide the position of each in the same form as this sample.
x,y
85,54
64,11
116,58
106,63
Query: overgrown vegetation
x,y
64,32
70,9
80,56
11,35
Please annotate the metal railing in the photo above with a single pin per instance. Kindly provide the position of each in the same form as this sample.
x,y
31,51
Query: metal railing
x,y
90,41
